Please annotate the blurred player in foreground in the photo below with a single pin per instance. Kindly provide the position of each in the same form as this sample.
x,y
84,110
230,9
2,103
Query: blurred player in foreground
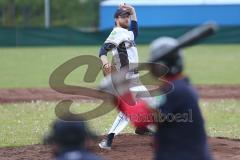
x,y
121,42
69,139
180,132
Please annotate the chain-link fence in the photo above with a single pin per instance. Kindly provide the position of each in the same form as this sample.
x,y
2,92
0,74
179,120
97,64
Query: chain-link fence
x,y
30,13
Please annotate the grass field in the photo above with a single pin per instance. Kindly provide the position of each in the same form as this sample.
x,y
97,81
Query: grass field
x,y
25,124
31,67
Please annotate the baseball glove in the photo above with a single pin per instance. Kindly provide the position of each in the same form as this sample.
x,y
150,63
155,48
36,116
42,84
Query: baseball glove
x,y
108,69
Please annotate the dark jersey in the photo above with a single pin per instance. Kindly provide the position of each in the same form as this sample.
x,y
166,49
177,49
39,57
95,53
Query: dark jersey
x,y
181,135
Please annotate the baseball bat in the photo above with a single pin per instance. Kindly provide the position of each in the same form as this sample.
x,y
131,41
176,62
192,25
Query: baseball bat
x,y
189,39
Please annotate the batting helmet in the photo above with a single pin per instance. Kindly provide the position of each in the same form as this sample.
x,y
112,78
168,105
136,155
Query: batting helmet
x,y
173,61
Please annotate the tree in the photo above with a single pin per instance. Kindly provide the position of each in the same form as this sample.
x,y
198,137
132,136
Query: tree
x,y
8,12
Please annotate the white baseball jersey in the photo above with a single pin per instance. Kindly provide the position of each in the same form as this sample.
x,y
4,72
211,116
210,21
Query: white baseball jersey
x,y
126,52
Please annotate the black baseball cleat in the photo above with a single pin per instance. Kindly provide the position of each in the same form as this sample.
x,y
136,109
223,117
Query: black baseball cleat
x,y
107,143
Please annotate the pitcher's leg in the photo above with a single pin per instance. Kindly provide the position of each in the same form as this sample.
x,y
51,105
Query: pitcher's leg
x,y
119,124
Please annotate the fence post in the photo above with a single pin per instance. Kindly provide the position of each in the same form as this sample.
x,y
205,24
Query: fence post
x,y
47,13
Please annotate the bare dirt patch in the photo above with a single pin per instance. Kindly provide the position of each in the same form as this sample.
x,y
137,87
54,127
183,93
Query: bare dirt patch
x,y
127,146
46,94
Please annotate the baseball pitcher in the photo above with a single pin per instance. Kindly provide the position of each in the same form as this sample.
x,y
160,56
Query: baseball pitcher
x,y
121,42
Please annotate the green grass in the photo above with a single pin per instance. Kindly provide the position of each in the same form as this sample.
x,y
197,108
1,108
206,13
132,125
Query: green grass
x,y
222,118
25,124
31,67
214,64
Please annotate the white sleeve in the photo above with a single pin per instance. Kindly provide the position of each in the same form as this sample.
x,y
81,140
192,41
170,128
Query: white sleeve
x,y
115,37
131,35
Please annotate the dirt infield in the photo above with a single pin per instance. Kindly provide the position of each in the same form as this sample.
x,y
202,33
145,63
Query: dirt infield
x,y
34,94
129,147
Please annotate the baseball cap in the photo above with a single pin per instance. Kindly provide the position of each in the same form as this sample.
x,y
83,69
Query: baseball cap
x,y
68,133
121,12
